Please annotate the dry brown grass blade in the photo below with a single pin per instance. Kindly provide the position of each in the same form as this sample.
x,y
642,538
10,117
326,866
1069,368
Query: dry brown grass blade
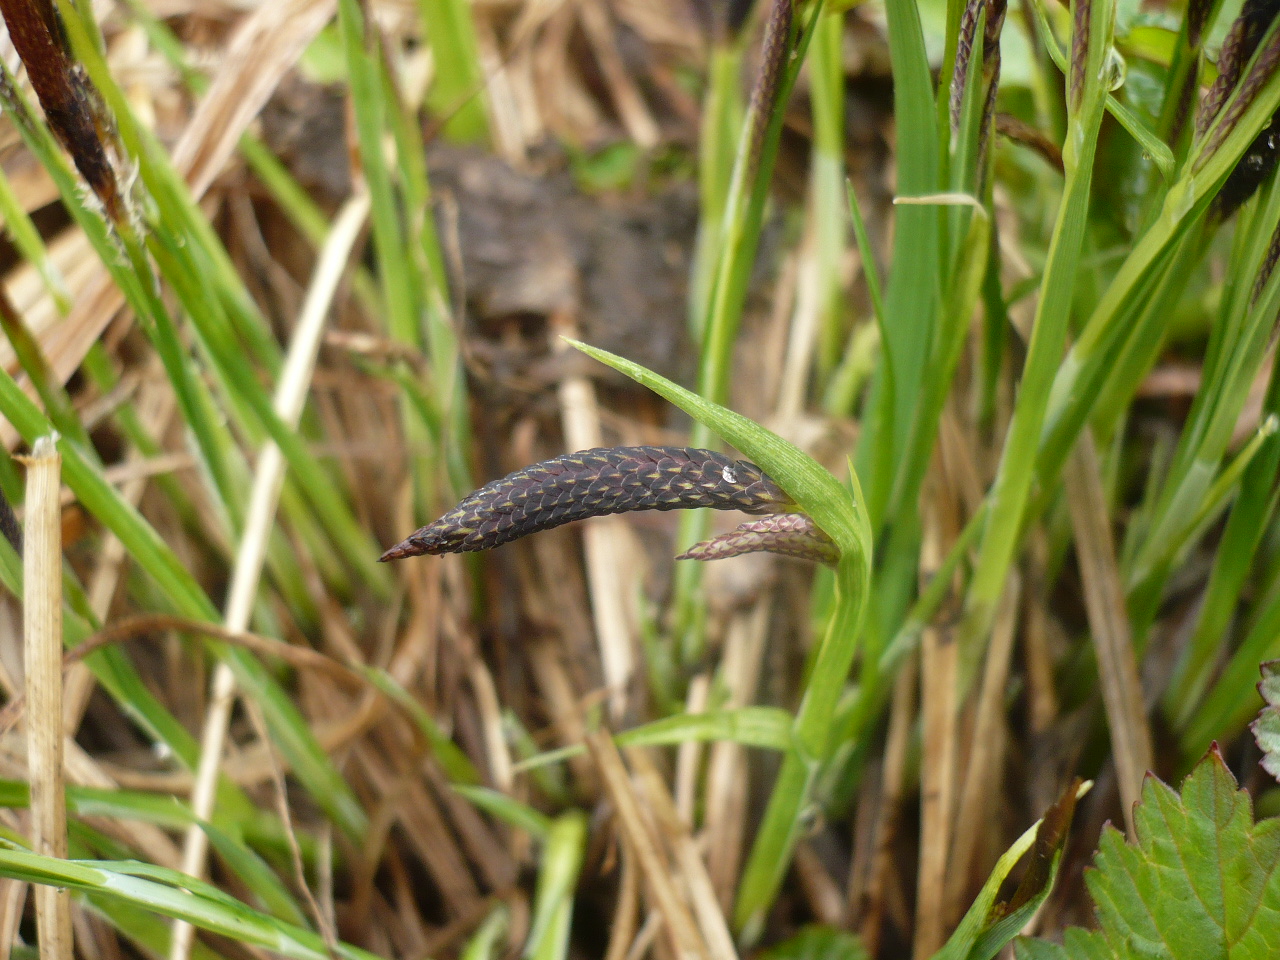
x,y
626,913
867,906
939,662
13,896
982,773
822,895
1041,695
513,116
265,46
693,871
42,645
597,23
939,696
559,700
1109,623
646,847
726,800
424,827
327,930
488,851
689,754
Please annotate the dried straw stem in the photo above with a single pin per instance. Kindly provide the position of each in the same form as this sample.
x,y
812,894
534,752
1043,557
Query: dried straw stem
x,y
700,893
982,777
1104,599
291,393
612,570
940,711
940,655
42,644
644,844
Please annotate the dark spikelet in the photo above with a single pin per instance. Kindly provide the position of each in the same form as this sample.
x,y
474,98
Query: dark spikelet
x,y
776,49
964,58
996,10
789,534
1254,167
1265,65
1083,9
1238,46
991,14
1197,19
595,483
1267,268
1231,59
71,104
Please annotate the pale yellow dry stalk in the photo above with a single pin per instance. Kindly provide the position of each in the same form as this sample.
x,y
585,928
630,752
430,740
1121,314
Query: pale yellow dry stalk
x,y
986,754
1104,600
612,561
291,394
939,698
686,858
642,842
42,646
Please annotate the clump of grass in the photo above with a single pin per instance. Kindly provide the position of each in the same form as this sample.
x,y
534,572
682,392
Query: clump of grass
x,y
438,776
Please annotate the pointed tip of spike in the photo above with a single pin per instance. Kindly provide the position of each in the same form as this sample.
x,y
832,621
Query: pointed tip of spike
x,y
412,547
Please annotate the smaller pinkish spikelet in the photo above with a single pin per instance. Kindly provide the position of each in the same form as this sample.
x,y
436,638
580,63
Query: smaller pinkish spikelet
x,y
790,534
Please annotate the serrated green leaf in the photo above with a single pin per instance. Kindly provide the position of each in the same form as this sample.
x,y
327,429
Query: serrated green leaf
x,y
1266,729
1028,949
1202,882
816,942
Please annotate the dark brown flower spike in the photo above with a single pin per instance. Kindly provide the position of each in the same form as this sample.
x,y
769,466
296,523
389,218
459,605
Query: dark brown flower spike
x,y
776,49
788,534
1083,10
71,104
595,483
1238,46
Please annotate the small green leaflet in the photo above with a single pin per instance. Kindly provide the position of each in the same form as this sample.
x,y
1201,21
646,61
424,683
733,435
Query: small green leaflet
x,y
1201,883
1266,729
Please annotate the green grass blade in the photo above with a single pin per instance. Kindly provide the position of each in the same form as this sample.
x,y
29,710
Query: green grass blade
x,y
1016,471
912,295
553,902
458,91
172,894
